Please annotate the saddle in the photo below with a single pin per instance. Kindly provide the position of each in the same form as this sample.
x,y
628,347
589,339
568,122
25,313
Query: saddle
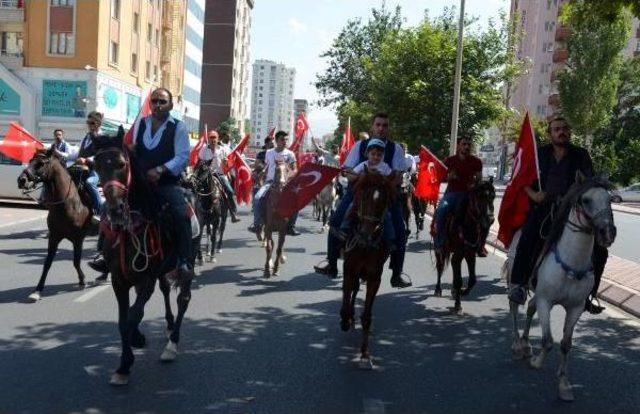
x,y
78,174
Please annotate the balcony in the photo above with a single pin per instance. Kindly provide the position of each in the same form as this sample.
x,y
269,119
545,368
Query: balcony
x,y
562,33
11,11
554,100
11,60
560,55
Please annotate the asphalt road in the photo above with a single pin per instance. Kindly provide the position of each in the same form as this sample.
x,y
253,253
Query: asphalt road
x,y
251,345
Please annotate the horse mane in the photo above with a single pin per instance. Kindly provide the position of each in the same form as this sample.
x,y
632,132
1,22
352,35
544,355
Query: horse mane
x,y
371,179
568,201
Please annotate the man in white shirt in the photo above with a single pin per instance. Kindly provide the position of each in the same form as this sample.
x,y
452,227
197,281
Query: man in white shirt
x,y
279,154
216,155
325,157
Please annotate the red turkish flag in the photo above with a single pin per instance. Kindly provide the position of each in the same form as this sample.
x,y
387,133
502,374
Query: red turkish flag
x,y
19,144
515,202
272,133
302,188
145,110
194,155
231,158
305,157
243,183
302,126
347,143
431,172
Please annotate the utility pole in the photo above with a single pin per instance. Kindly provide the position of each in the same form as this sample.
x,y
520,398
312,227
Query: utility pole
x,y
456,83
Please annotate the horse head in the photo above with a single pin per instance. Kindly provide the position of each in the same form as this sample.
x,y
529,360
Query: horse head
x,y
591,205
112,163
203,182
481,197
39,169
281,175
373,194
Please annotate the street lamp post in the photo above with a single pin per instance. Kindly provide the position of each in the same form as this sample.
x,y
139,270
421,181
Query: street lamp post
x,y
456,84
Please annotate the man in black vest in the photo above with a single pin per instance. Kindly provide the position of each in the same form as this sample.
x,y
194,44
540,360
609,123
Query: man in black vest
x,y
84,157
162,154
394,156
559,161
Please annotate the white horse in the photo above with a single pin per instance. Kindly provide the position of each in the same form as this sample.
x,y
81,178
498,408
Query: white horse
x,y
565,271
324,203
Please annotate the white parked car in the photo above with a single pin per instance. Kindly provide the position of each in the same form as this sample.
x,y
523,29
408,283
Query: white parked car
x,y
9,172
631,193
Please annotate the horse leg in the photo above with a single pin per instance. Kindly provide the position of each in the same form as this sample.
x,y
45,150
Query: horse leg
x,y
564,386
268,237
282,234
531,311
544,313
440,270
77,257
470,258
52,249
372,290
456,267
223,226
121,376
348,297
165,288
215,225
184,297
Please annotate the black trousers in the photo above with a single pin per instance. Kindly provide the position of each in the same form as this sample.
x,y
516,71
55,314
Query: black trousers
x,y
531,243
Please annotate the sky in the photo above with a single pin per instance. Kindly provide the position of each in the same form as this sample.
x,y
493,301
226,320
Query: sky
x,y
296,32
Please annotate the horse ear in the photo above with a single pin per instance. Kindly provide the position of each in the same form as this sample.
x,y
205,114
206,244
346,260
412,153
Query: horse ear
x,y
580,177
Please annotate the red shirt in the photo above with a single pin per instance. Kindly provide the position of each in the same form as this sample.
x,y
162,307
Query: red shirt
x,y
465,170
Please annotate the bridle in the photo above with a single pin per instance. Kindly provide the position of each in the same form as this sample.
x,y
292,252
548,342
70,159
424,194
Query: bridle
x,y
37,178
582,217
115,182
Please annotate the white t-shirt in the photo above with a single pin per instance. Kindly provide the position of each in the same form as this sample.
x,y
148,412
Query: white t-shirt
x,y
216,157
397,164
381,168
410,163
273,156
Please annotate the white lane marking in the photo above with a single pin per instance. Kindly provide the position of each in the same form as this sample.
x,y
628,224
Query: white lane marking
x,y
91,293
373,406
15,223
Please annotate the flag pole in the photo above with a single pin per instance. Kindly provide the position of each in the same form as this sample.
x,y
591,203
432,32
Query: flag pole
x,y
456,87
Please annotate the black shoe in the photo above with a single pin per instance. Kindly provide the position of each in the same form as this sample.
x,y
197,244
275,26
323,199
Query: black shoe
x,y
234,218
99,264
482,252
252,228
399,281
518,295
293,232
593,306
328,270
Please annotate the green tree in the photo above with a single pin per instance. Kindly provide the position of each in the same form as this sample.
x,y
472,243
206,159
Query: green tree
x,y
589,85
230,127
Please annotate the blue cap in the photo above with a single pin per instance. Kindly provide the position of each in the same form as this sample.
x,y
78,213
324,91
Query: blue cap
x,y
375,142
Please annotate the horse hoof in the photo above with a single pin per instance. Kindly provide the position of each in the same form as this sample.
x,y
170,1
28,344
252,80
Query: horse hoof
x,y
266,274
565,393
35,296
535,363
219,250
200,261
366,363
170,352
457,310
345,325
119,380
81,286
466,292
283,259
168,333
101,279
437,293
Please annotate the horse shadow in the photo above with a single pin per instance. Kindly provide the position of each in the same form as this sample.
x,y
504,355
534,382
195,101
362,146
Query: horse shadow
x,y
29,234
19,295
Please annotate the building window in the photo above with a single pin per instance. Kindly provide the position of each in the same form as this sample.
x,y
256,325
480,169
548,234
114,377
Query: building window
x,y
155,73
11,44
134,62
113,53
540,89
61,36
149,32
115,9
157,37
147,70
136,22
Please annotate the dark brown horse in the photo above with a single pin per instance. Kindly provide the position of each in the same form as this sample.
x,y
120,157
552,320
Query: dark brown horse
x,y
138,251
274,223
465,230
69,218
365,252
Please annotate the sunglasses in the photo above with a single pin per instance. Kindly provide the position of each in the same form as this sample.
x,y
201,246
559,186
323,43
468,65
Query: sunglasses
x,y
159,101
92,123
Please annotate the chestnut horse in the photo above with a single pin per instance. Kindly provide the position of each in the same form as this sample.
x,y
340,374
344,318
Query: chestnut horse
x,y
274,223
365,252
138,251
465,230
69,218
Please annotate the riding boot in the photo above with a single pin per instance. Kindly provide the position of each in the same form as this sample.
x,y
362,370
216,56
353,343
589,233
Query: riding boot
x,y
599,257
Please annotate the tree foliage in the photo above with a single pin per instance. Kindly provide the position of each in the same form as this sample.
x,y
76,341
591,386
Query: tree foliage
x,y
589,85
230,127
408,73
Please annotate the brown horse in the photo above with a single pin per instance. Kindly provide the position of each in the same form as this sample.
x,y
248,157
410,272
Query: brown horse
x,y
69,218
138,251
275,223
465,231
365,252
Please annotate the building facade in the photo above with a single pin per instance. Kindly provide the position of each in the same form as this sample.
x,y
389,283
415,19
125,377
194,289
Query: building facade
x,y
69,57
271,99
192,75
225,68
544,43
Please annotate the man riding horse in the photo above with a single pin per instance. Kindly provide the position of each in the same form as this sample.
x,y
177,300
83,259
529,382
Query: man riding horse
x,y
278,155
161,150
559,162
394,156
463,172
215,156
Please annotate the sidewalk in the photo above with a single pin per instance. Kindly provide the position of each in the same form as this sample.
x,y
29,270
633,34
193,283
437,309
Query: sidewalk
x,y
620,284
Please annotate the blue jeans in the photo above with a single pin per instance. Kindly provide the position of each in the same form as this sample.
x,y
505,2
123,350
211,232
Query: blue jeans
x,y
388,234
448,204
258,204
173,195
91,185
226,186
